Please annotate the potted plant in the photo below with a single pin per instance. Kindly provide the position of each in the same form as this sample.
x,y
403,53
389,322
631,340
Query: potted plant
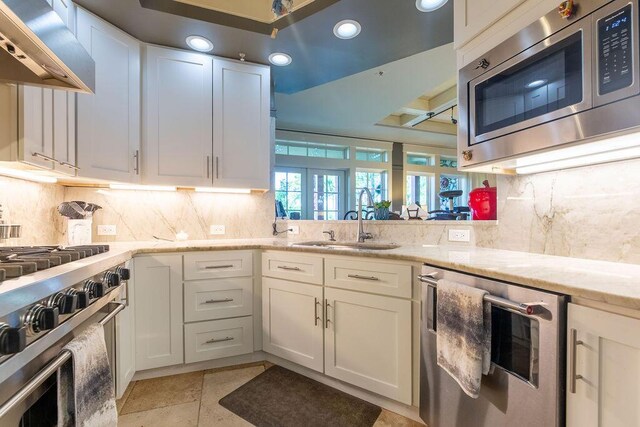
x,y
382,210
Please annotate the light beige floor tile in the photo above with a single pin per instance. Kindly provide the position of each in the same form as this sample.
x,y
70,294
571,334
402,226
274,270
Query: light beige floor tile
x,y
166,391
234,367
184,415
390,419
216,386
120,402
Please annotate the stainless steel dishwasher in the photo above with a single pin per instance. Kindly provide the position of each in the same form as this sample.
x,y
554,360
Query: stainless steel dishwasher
x,y
525,386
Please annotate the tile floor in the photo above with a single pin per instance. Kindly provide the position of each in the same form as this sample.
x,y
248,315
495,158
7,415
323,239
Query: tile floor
x,y
192,400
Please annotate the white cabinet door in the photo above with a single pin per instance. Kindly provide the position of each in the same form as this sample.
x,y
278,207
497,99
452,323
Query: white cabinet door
x,y
125,340
368,342
178,141
64,131
109,120
158,298
35,126
607,360
242,142
471,17
292,326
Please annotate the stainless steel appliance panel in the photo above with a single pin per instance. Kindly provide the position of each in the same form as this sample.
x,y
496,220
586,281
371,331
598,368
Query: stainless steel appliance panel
x,y
506,397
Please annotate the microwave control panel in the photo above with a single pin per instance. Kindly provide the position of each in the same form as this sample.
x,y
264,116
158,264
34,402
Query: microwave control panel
x,y
615,51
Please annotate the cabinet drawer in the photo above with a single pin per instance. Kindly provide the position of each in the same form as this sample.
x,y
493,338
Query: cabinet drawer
x,y
217,339
218,299
215,265
369,276
290,266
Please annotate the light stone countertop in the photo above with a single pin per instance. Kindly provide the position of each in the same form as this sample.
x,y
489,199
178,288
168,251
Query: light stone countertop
x,y
609,282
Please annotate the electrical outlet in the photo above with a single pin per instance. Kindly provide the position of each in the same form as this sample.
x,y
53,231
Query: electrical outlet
x,y
294,229
106,230
460,235
217,230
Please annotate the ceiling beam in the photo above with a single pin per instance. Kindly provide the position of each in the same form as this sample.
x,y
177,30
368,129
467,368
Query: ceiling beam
x,y
428,126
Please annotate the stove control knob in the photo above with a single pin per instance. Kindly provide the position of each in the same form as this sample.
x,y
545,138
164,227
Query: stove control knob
x,y
41,318
12,340
125,273
111,279
83,299
94,289
66,302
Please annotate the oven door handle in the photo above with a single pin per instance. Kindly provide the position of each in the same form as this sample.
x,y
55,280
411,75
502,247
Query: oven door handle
x,y
50,369
527,309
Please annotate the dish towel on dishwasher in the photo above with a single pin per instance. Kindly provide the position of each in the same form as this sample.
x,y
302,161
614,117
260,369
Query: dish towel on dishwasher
x,y
463,337
85,386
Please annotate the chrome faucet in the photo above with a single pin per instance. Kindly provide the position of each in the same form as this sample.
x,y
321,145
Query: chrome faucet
x,y
362,236
332,235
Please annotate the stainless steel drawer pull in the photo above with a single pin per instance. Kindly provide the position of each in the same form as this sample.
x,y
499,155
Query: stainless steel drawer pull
x,y
213,341
216,267
69,165
326,313
44,157
573,358
357,276
218,301
284,267
315,310
136,157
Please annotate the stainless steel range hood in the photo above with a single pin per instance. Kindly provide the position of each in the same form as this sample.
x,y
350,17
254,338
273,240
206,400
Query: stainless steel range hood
x,y
38,48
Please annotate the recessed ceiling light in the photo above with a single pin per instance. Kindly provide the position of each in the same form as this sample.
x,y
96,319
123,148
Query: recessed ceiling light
x,y
280,59
429,5
347,29
199,43
536,83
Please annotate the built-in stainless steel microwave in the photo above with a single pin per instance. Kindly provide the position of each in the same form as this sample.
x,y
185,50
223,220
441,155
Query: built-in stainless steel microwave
x,y
560,81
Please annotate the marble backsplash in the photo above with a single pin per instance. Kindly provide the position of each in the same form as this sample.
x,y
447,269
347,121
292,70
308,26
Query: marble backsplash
x,y
589,212
33,206
140,215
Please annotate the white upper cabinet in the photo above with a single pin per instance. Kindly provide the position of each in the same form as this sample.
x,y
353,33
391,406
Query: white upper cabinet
x,y
241,108
64,131
178,121
109,120
65,9
471,17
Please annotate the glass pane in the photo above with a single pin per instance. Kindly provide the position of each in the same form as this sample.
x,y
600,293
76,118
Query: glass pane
x,y
449,183
361,155
332,216
294,201
335,154
281,181
512,342
294,181
332,183
332,202
414,159
448,162
297,151
317,152
545,82
281,149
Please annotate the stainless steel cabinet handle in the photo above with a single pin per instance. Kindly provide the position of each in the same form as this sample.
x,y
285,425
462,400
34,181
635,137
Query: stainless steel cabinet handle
x,y
315,311
208,167
44,157
217,167
136,167
216,267
284,267
218,301
326,313
67,164
357,276
573,349
213,341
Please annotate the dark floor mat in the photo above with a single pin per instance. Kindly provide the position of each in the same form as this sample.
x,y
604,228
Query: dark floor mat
x,y
281,398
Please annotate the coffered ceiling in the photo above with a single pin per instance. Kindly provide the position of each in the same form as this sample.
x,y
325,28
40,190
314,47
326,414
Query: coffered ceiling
x,y
256,10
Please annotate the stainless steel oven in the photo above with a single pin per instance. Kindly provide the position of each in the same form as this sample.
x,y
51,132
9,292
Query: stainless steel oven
x,y
558,81
525,386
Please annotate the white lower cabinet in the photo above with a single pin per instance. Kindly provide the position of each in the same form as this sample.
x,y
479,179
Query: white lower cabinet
x,y
158,318
604,365
125,341
218,299
217,339
368,342
292,321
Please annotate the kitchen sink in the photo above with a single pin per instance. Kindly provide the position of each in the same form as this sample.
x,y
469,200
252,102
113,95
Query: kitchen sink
x,y
348,245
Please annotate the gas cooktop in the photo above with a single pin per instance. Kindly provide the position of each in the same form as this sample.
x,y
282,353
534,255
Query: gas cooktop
x,y
16,261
